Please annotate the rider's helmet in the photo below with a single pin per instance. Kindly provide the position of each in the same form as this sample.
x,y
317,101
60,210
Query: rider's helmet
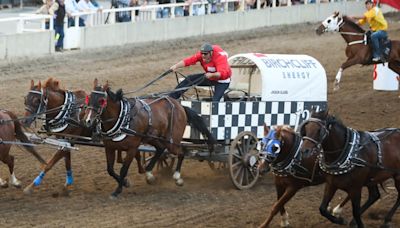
x,y
205,48
369,1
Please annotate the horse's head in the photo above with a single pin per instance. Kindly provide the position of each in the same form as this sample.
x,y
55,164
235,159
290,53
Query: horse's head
x,y
314,131
272,143
95,103
330,24
35,103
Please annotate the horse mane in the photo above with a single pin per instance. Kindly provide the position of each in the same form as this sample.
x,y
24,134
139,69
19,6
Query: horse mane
x,y
350,22
117,96
280,129
53,84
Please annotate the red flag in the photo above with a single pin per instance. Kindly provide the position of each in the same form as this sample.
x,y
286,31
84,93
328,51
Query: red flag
x,y
392,3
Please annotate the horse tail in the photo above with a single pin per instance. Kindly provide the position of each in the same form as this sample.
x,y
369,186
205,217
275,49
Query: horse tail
x,y
197,122
19,134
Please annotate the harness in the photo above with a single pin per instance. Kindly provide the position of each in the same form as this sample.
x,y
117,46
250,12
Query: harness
x,y
122,122
292,166
61,121
349,157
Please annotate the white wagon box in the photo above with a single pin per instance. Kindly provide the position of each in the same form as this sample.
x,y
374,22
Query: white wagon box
x,y
274,89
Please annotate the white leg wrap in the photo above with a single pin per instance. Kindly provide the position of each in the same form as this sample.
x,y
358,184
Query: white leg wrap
x,y
3,183
149,175
14,181
337,211
177,175
339,75
285,220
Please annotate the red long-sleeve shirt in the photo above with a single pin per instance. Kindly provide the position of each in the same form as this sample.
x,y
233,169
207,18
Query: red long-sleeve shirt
x,y
219,63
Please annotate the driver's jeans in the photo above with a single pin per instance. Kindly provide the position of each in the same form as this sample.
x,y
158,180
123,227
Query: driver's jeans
x,y
196,79
376,37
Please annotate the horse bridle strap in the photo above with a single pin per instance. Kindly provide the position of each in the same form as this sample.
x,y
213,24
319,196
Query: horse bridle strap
x,y
43,103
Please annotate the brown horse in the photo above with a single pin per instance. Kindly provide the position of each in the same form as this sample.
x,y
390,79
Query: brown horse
x,y
358,51
292,169
63,113
352,159
10,129
127,123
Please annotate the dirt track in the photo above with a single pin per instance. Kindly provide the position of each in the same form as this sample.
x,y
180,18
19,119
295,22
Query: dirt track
x,y
207,198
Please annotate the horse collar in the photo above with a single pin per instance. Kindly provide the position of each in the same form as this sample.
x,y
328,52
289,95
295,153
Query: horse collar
x,y
60,122
344,163
122,122
287,166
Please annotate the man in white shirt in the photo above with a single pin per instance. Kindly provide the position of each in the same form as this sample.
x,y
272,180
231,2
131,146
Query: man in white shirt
x,y
87,6
72,7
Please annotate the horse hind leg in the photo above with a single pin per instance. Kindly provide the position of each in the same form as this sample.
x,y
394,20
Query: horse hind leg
x,y
150,179
388,217
13,179
177,174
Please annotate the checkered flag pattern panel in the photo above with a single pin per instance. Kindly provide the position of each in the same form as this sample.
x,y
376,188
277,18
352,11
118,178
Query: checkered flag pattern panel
x,y
226,120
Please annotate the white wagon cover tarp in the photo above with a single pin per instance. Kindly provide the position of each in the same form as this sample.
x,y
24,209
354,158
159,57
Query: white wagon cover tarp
x,y
280,77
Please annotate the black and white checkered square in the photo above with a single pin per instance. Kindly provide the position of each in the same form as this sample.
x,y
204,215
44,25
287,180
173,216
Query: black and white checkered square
x,y
226,120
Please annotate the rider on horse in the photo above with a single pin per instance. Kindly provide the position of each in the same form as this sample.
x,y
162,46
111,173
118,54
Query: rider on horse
x,y
378,25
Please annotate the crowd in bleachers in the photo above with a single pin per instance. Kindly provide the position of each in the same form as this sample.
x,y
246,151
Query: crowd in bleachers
x,y
61,9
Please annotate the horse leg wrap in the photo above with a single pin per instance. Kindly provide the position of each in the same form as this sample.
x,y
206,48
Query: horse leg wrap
x,y
39,179
69,179
14,181
285,220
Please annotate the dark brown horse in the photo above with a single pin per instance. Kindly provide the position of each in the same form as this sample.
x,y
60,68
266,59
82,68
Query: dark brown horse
x,y
357,50
62,109
352,159
10,129
127,123
292,169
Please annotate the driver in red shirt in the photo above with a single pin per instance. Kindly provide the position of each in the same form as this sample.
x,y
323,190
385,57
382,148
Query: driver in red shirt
x,y
214,61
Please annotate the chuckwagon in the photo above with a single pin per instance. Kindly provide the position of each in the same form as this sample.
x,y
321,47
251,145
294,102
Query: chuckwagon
x,y
265,88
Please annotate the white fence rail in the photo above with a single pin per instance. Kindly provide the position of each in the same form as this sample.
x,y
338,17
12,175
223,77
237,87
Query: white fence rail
x,y
147,28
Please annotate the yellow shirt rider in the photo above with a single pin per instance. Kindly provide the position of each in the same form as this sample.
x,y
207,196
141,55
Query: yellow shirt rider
x,y
377,24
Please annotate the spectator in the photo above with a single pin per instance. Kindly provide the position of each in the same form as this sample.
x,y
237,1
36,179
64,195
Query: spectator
x,y
125,16
87,6
72,7
214,61
59,24
48,9
163,12
179,11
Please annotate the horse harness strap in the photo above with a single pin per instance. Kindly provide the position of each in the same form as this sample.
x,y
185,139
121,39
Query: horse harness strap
x,y
60,122
122,122
345,163
363,41
291,165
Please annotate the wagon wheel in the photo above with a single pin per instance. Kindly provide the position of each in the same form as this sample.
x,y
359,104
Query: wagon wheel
x,y
165,162
243,160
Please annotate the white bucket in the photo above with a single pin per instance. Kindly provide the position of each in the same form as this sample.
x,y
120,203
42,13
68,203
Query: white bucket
x,y
385,78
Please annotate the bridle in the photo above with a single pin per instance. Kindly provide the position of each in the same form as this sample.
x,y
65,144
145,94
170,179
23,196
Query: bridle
x,y
324,132
99,111
42,106
340,24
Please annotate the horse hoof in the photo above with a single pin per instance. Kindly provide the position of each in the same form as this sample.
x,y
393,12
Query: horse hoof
x,y
179,182
17,185
342,221
127,183
150,180
112,197
28,190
